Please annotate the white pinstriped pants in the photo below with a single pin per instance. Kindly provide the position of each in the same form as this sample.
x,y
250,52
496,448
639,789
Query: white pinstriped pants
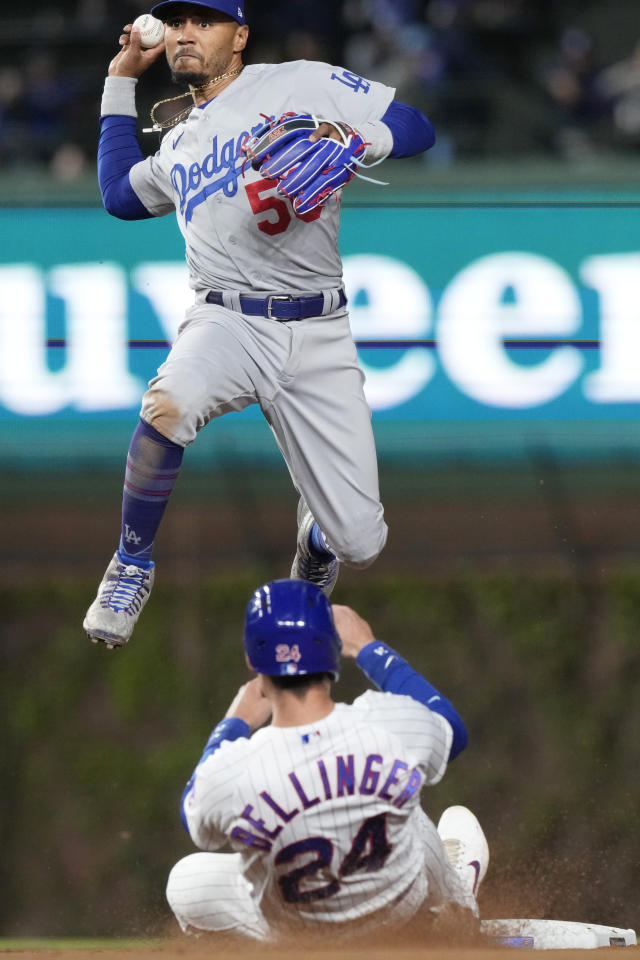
x,y
208,891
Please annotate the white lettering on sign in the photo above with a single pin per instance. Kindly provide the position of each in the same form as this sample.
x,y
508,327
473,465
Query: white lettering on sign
x,y
95,375
616,278
27,386
95,298
389,300
508,295
166,286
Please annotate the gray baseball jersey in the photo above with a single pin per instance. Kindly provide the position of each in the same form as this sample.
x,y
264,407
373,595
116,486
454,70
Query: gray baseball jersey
x,y
241,236
239,233
326,819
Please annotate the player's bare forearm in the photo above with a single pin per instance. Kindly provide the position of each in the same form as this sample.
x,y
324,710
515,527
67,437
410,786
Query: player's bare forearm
x,y
133,59
355,633
250,705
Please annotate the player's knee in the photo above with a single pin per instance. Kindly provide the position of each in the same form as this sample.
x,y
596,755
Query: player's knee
x,y
363,542
176,888
167,414
160,409
184,893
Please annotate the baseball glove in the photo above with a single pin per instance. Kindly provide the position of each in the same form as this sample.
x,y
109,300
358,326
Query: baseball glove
x,y
308,172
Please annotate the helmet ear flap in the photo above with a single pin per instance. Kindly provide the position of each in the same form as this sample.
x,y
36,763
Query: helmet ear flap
x,y
289,630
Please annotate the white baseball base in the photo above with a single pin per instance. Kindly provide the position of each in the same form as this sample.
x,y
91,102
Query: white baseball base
x,y
556,934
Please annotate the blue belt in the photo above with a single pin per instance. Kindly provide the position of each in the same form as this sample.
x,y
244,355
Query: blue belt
x,y
281,306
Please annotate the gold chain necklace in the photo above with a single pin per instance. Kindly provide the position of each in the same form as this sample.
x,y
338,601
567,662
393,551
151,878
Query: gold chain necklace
x,y
164,124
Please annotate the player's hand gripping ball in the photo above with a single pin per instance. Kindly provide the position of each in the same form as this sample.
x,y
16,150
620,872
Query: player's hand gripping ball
x,y
151,30
308,172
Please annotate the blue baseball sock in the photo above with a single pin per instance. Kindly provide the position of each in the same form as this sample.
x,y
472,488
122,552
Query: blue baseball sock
x,y
318,544
153,464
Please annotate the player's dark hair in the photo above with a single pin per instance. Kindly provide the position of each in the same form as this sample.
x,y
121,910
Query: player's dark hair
x,y
301,683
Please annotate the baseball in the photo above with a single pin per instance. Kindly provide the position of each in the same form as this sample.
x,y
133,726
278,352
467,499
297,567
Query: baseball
x,y
151,30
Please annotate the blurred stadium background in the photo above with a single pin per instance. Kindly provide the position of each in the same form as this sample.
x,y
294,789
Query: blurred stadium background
x,y
504,267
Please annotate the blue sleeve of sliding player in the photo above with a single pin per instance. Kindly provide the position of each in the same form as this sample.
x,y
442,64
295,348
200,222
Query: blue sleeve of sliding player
x,y
392,674
232,728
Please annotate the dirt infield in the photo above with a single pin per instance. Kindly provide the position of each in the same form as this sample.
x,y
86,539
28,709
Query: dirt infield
x,y
189,950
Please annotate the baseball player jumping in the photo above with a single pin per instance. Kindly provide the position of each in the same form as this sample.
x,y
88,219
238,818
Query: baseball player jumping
x,y
322,806
252,163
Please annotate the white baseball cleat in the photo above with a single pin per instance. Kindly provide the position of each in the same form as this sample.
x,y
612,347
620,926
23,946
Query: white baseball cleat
x,y
122,594
465,845
306,564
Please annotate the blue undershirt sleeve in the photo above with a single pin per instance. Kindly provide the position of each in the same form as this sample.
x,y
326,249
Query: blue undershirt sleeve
x,y
412,132
232,728
392,674
118,151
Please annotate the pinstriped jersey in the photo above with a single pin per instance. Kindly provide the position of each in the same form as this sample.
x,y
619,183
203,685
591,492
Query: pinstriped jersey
x,y
327,816
239,233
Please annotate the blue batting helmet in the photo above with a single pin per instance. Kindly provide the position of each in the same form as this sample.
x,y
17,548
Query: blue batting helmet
x,y
289,631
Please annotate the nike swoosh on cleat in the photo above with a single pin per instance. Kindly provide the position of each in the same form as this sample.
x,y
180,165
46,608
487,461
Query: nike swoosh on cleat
x,y
476,867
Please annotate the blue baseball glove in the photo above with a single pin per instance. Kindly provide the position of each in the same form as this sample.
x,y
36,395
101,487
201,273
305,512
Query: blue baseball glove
x,y
308,172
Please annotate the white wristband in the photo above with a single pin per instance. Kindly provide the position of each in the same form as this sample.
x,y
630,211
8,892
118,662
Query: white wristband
x,y
378,138
119,97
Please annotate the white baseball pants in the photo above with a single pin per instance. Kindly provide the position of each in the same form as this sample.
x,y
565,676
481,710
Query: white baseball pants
x,y
306,378
208,891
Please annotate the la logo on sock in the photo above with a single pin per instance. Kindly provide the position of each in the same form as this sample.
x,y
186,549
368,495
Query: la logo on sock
x,y
130,535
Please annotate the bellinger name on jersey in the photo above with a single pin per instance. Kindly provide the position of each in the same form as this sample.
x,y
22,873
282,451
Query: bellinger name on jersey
x,y
339,780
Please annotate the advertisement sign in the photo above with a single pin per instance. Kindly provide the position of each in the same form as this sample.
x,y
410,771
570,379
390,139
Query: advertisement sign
x,y
513,317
